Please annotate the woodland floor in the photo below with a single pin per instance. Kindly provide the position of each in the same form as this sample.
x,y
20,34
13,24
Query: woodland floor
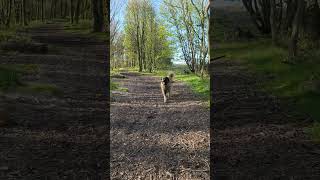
x,y
151,139
253,134
65,137
58,137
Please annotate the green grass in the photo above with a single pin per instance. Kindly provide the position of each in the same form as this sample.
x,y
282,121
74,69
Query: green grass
x,y
8,79
11,32
85,28
289,81
21,68
10,75
47,89
198,85
116,87
314,131
113,86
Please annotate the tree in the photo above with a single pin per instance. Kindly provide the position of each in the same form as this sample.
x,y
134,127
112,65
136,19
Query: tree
x,y
24,19
98,15
296,26
21,12
202,36
209,10
71,11
273,21
259,11
146,42
42,10
77,13
188,22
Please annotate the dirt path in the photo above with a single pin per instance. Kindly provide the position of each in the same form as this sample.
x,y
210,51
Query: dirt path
x,y
253,135
62,137
150,139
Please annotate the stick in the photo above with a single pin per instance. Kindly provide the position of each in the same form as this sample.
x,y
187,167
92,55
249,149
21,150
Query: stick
x,y
216,58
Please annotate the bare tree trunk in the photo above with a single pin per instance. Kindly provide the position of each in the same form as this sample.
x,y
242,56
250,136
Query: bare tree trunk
x,y
9,14
77,14
98,15
65,9
210,28
42,10
23,15
71,11
273,21
296,26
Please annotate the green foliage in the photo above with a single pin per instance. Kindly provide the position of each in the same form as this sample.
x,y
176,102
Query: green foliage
x,y
187,22
146,42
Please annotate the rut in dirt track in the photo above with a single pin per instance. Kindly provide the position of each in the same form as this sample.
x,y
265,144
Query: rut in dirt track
x,y
153,139
59,137
253,134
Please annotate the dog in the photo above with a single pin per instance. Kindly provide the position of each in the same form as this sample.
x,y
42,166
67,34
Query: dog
x,y
166,86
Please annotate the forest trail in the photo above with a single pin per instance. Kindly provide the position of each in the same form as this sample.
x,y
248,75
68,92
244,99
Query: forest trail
x,y
65,136
253,134
154,140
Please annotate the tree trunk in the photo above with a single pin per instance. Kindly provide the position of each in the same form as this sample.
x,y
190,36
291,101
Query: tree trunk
x,y
24,20
42,10
296,26
98,15
71,11
273,21
9,14
77,14
210,28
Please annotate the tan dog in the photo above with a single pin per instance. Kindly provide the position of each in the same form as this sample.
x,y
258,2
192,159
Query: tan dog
x,y
166,87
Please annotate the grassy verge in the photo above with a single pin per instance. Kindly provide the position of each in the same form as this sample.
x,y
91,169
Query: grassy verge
x,y
314,131
299,83
85,28
10,80
10,74
36,88
12,31
115,86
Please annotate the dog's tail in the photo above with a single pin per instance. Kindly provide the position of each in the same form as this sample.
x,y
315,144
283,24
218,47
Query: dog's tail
x,y
171,76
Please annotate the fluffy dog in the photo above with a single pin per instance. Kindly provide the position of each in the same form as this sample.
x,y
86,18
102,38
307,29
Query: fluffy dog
x,y
166,86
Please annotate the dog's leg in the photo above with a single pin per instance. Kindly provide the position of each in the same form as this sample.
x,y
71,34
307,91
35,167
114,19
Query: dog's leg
x,y
164,98
163,93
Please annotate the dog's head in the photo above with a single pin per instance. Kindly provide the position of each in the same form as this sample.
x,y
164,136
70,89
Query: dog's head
x,y
165,80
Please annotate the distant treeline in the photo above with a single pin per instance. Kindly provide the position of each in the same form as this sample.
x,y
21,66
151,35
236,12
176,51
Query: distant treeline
x,y
24,11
